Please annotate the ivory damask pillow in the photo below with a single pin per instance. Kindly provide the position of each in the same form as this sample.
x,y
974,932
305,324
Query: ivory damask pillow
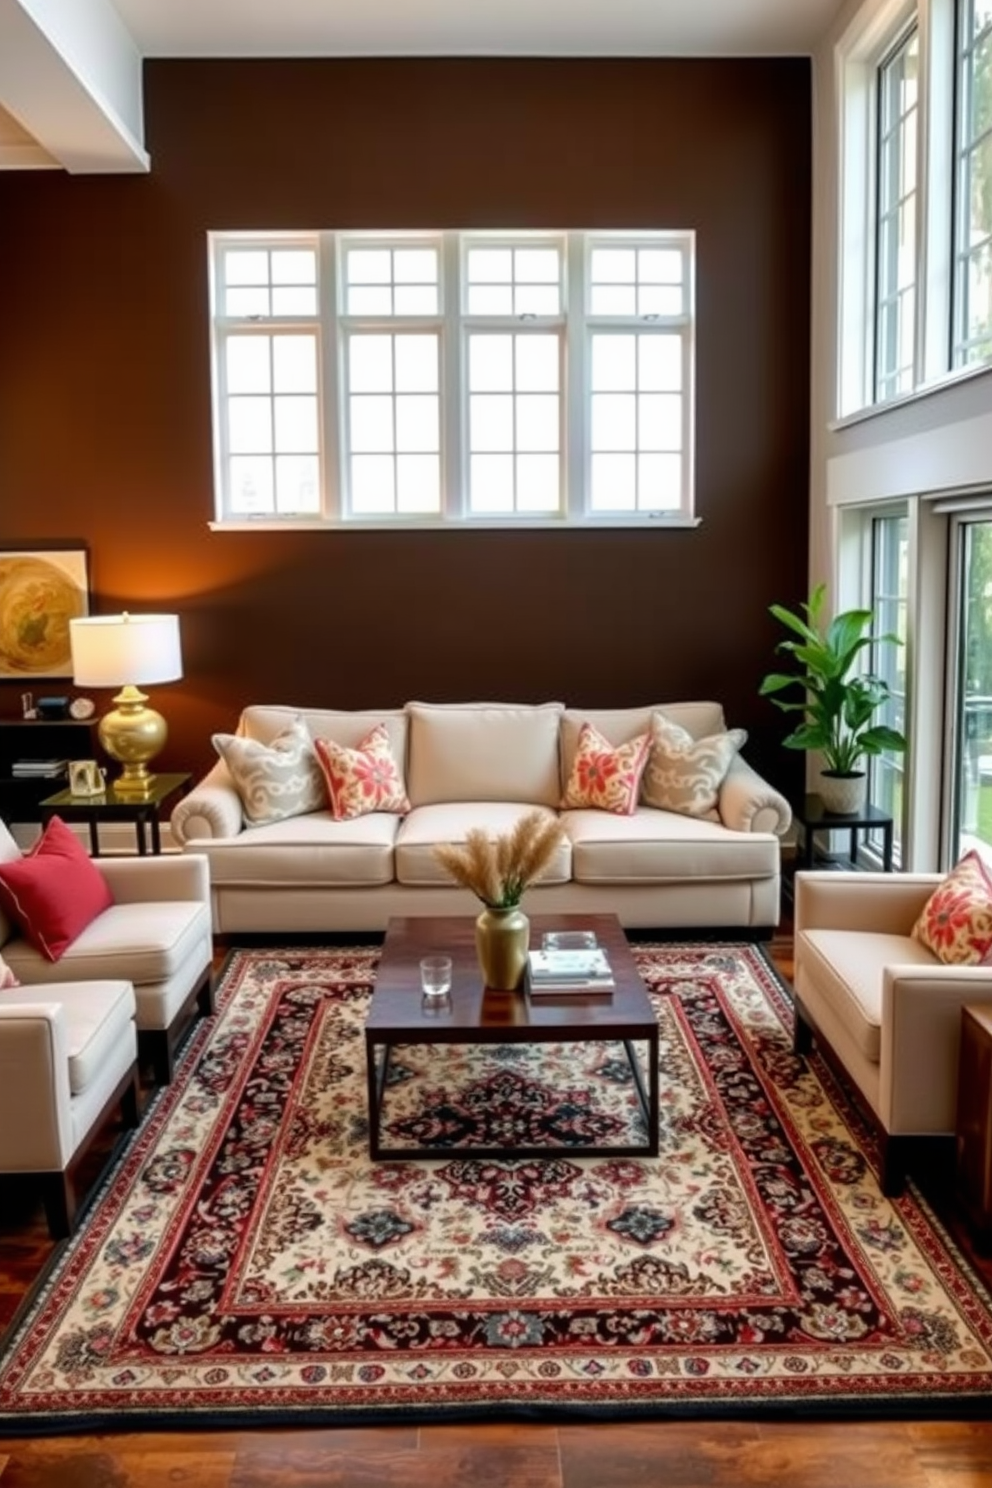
x,y
684,774
274,780
606,776
363,779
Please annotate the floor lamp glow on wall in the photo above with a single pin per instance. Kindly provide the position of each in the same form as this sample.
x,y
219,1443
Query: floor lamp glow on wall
x,y
127,651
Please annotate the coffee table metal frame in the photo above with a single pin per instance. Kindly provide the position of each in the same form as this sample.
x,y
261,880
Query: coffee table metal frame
x,y
481,1015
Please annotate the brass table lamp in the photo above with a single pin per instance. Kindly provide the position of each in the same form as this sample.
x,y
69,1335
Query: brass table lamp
x,y
126,651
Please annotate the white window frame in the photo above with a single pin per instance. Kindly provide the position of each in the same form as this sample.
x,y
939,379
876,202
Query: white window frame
x,y
874,33
575,326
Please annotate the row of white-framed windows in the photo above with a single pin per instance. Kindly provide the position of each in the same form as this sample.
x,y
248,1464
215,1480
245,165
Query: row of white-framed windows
x,y
916,198
453,377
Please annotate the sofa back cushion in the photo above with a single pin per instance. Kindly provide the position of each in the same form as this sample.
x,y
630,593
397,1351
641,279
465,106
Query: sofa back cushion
x,y
620,725
484,752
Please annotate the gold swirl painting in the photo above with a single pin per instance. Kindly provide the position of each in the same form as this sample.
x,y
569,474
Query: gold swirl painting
x,y
40,592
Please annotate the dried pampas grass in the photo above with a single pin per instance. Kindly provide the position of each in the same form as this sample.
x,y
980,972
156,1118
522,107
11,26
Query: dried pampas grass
x,y
498,869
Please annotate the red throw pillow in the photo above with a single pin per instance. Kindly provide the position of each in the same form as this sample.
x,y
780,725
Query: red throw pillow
x,y
54,891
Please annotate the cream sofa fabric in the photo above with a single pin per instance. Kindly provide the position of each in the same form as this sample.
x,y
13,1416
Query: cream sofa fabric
x,y
486,764
889,1010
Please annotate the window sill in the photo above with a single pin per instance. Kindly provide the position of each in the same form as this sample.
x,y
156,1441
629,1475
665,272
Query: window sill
x,y
906,400
660,522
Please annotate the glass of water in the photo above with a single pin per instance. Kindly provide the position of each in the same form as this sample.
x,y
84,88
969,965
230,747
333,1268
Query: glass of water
x,y
435,977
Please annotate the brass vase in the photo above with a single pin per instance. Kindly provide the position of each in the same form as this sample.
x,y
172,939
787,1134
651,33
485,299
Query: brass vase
x,y
502,940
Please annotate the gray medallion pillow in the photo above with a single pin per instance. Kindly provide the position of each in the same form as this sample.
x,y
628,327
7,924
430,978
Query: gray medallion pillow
x,y
274,780
685,774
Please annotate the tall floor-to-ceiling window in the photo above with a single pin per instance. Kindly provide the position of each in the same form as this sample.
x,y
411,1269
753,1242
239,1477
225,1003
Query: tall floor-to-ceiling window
x,y
969,776
889,594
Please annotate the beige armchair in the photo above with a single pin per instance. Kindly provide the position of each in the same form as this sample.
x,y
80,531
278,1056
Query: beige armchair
x,y
886,1007
157,934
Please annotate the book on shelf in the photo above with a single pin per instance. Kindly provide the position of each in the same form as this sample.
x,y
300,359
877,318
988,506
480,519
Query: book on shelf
x,y
28,768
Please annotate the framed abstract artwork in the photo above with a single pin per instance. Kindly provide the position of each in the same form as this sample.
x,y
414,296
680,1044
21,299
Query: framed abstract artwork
x,y
41,590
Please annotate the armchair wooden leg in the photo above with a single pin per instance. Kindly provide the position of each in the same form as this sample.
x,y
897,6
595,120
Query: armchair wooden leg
x,y
129,1104
205,996
59,1194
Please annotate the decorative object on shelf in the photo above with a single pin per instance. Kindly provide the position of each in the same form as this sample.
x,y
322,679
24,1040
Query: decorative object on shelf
x,y
125,651
498,870
838,703
87,778
82,708
52,708
41,592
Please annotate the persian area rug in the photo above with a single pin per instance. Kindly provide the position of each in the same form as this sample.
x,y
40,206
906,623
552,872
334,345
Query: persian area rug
x,y
247,1263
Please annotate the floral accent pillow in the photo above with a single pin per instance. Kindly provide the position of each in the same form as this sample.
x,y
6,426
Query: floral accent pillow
x,y
363,779
685,774
956,921
605,776
274,780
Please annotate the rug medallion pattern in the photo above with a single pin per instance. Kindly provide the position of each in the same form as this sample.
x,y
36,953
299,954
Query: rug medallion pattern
x,y
247,1259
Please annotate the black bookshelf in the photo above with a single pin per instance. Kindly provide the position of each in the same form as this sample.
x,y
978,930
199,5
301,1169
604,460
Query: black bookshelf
x,y
39,739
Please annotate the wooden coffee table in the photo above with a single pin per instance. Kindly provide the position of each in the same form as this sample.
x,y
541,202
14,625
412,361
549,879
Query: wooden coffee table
x,y
481,1015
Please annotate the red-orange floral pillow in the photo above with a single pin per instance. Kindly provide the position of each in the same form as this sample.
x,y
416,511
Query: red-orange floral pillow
x,y
605,776
363,779
956,921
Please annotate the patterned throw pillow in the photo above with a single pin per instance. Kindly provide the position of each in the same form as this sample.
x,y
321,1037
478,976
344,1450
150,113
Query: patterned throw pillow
x,y
363,779
605,776
685,774
956,921
274,780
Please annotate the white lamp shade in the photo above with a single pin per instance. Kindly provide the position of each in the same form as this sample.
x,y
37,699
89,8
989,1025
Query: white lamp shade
x,y
113,650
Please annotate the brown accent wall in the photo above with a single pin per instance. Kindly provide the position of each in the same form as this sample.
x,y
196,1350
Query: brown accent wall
x,y
105,392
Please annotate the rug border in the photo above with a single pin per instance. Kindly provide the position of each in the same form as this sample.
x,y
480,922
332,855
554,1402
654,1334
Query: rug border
x,y
842,1408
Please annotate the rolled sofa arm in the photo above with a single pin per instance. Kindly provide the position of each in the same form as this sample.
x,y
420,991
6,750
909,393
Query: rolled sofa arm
x,y
747,803
212,809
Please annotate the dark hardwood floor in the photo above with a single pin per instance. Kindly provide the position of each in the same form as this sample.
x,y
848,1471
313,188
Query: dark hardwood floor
x,y
676,1454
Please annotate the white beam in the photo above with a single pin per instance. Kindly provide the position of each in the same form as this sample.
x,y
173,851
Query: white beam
x,y
70,74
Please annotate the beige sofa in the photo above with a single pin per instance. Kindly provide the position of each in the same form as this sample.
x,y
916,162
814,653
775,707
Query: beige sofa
x,y
485,765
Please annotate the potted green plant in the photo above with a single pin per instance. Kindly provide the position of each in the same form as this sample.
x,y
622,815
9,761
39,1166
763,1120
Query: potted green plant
x,y
838,703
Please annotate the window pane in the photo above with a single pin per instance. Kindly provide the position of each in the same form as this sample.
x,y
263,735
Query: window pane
x,y
418,483
415,265
537,422
537,265
371,423
294,266
249,425
537,299
659,363
415,299
247,302
614,362
657,299
973,772
537,483
296,425
659,266
491,422
417,426
294,360
372,484
297,485
370,364
614,483
613,266
537,363
491,479
417,364
895,227
370,301
490,265
246,266
250,485
613,421
980,222
248,367
888,602
659,421
294,301
369,266
605,300
490,363
659,482
490,300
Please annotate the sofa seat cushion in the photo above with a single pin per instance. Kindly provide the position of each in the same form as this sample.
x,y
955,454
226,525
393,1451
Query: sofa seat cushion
x,y
308,852
847,967
663,847
428,825
142,942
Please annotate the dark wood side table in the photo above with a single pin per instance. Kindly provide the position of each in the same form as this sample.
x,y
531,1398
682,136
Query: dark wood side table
x,y
814,818
109,806
974,1118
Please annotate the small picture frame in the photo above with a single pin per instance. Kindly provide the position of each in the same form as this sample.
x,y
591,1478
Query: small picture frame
x,y
86,778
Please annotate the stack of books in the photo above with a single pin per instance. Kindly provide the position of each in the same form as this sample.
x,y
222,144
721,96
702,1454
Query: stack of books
x,y
35,769
554,973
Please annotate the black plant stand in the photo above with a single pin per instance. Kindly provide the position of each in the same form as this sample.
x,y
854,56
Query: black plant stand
x,y
814,817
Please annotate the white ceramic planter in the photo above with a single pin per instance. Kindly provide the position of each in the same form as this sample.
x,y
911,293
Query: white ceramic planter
x,y
843,795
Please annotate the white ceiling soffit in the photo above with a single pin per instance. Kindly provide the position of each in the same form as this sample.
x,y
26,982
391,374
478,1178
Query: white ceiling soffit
x,y
384,28
70,77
